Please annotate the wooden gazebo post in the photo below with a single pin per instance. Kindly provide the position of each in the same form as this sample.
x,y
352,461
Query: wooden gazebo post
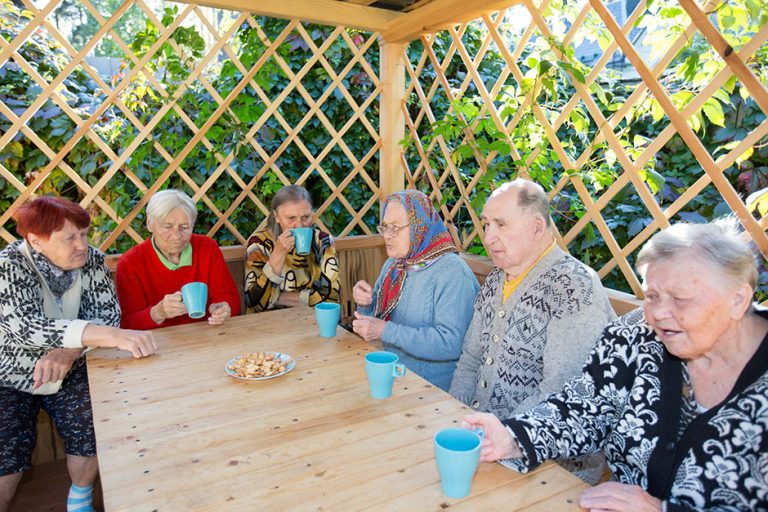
x,y
391,118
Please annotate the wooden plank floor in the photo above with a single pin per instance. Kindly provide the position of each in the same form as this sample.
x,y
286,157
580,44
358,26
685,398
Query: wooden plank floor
x,y
44,489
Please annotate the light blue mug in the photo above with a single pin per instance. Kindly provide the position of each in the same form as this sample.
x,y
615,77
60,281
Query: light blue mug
x,y
195,296
327,315
302,237
457,453
381,369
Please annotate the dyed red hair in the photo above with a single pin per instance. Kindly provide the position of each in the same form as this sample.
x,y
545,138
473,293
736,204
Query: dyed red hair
x,y
47,214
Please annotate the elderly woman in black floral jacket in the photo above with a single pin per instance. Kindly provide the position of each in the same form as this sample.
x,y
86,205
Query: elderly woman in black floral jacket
x,y
56,298
675,394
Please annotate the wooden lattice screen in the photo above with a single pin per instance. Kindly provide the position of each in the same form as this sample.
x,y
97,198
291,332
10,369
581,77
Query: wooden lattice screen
x,y
442,68
256,160
413,89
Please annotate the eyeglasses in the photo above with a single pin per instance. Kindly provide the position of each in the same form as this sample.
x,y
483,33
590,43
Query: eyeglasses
x,y
390,229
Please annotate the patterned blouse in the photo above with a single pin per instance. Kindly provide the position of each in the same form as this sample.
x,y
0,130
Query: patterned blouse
x,y
315,276
26,333
634,402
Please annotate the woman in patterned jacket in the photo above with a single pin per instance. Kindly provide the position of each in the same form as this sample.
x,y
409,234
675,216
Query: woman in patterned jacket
x,y
56,298
675,394
275,275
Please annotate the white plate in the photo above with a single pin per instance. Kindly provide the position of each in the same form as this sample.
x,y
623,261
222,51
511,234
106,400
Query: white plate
x,y
283,357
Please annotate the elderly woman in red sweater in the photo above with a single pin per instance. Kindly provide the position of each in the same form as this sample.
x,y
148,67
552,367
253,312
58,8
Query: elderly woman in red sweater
x,y
150,276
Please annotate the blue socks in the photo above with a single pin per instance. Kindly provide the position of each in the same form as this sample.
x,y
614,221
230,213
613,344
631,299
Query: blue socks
x,y
80,499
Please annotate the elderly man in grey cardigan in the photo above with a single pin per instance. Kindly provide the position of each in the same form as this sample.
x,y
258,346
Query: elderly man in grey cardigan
x,y
536,317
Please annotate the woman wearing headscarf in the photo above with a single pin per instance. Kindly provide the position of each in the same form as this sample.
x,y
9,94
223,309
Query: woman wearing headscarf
x,y
421,304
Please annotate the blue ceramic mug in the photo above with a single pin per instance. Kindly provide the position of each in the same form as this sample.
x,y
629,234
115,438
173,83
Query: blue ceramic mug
x,y
327,315
457,453
195,296
302,238
381,369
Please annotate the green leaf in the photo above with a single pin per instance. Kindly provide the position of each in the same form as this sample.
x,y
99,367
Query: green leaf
x,y
690,67
657,112
722,95
579,120
713,109
654,180
682,98
695,122
639,142
598,90
15,148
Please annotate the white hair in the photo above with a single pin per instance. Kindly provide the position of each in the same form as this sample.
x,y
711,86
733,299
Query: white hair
x,y
165,201
717,243
530,196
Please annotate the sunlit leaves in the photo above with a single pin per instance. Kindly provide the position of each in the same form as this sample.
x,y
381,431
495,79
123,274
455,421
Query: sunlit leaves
x,y
758,201
713,110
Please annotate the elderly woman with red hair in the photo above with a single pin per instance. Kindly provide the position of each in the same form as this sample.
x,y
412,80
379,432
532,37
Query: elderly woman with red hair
x,y
56,298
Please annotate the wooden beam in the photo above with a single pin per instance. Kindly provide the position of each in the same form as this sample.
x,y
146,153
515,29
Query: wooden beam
x,y
324,12
391,118
439,14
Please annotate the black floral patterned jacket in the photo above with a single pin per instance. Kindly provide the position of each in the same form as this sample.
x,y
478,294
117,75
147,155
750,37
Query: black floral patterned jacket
x,y
630,402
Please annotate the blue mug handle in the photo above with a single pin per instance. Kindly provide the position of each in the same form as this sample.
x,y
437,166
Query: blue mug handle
x,y
398,370
480,433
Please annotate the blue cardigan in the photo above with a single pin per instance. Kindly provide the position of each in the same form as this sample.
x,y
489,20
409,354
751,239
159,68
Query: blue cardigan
x,y
427,327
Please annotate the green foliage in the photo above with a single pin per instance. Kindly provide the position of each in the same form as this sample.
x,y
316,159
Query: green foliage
x,y
476,143
150,96
480,152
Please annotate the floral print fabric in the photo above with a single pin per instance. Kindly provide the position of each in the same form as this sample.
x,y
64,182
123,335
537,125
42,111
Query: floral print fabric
x,y
631,403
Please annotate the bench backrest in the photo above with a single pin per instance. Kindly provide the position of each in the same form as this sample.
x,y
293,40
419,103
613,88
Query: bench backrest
x,y
361,258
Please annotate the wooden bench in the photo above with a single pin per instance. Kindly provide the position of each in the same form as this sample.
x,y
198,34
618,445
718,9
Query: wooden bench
x,y
360,257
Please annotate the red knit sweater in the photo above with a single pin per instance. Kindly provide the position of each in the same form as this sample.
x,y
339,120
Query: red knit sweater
x,y
142,281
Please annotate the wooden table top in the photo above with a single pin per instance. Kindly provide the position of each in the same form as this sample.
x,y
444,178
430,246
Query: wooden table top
x,y
175,432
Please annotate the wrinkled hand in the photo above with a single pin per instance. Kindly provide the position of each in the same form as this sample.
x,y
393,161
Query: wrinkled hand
x,y
497,442
170,307
614,496
55,365
368,327
285,242
220,312
362,294
138,343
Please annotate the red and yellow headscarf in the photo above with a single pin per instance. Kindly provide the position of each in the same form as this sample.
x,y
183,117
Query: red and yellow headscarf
x,y
429,240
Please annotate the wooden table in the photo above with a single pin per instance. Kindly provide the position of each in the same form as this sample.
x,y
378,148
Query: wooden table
x,y
175,432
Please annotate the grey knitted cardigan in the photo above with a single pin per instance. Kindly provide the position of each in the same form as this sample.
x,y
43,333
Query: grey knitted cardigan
x,y
515,354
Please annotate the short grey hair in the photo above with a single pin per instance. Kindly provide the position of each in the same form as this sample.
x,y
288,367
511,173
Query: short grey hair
x,y
165,201
530,197
287,194
717,243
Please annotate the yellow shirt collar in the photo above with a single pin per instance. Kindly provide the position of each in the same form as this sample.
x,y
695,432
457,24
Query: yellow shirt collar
x,y
511,286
